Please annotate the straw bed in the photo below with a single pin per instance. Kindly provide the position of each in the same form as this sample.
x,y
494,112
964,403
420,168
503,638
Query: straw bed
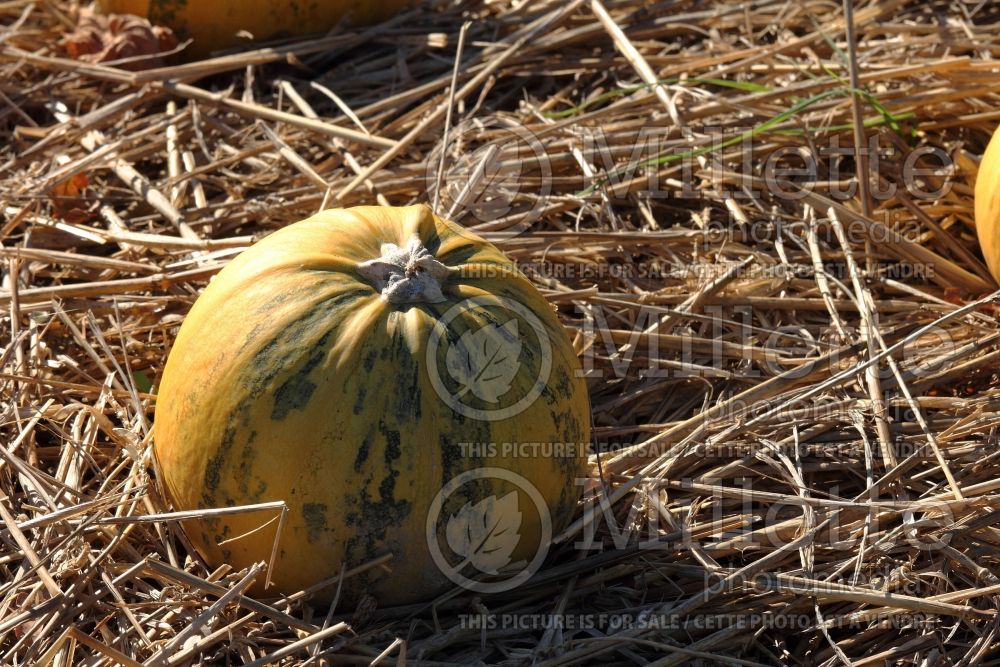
x,y
794,385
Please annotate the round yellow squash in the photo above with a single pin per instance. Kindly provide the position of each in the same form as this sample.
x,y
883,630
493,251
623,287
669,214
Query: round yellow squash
x,y
988,205
214,24
399,384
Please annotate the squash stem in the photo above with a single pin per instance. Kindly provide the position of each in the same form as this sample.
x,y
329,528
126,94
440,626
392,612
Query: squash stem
x,y
406,275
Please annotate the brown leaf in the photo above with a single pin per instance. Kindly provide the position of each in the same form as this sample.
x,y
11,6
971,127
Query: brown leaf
x,y
108,37
71,187
67,198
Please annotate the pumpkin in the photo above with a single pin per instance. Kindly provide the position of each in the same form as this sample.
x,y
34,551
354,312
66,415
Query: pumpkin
x,y
214,24
398,383
988,205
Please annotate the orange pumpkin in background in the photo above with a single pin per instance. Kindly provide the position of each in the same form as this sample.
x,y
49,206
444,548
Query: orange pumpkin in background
x,y
988,205
216,24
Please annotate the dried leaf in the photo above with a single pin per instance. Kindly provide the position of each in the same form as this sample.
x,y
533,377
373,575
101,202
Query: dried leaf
x,y
109,37
67,199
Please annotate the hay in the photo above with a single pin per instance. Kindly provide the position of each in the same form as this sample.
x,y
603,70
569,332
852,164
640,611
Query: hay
x,y
794,389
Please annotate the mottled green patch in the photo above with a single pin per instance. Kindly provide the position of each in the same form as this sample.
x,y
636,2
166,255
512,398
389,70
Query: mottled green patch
x,y
388,485
247,455
408,398
261,369
463,447
371,519
452,456
280,354
433,242
369,361
359,401
404,399
559,387
263,314
217,468
393,450
255,331
314,514
363,450
214,466
295,392
460,432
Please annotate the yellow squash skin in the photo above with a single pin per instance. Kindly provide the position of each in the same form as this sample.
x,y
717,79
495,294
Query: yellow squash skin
x,y
988,205
213,24
293,379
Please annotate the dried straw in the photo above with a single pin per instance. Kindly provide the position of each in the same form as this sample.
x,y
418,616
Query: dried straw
x,y
794,390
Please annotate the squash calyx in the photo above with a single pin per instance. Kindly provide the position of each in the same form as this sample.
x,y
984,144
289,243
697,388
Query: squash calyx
x,y
406,275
